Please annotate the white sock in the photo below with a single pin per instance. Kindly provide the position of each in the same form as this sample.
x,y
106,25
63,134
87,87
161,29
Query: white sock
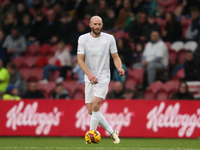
x,y
94,120
103,122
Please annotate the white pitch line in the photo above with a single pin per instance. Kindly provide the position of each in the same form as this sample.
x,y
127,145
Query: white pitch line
x,y
72,148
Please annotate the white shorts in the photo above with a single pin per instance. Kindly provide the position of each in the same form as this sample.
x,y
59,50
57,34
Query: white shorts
x,y
95,90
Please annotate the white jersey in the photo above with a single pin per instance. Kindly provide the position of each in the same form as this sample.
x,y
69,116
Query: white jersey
x,y
97,54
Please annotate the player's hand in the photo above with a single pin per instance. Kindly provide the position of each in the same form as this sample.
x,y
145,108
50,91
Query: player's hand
x,y
92,78
121,72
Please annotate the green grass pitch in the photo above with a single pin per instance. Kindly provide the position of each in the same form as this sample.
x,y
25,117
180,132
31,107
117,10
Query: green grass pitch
x,y
65,143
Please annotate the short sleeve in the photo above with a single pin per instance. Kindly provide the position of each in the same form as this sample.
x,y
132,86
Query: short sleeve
x,y
113,47
80,49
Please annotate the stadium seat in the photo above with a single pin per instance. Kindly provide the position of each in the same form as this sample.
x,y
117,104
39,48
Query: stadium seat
x,y
19,62
156,86
33,49
170,86
119,34
130,84
172,57
31,62
111,86
45,48
54,49
78,94
149,95
177,46
181,56
181,74
191,45
70,86
25,73
47,89
162,95
126,35
36,73
137,74
86,22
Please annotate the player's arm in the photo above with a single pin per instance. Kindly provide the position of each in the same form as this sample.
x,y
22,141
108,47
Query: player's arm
x,y
118,63
81,63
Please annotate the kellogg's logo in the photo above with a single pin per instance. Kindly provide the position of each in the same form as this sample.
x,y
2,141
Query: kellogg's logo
x,y
116,120
171,118
30,117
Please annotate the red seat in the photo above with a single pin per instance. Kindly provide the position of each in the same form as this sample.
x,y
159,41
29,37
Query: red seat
x,y
54,49
48,88
45,48
19,62
30,62
132,46
78,94
111,86
33,49
25,73
156,86
118,34
181,56
168,44
70,86
149,95
162,95
37,73
137,74
170,85
126,35
172,57
86,22
130,84
181,74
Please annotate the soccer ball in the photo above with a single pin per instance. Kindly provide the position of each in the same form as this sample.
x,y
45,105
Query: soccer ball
x,y
92,136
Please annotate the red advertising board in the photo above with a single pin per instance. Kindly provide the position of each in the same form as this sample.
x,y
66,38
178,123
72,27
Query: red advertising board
x,y
136,118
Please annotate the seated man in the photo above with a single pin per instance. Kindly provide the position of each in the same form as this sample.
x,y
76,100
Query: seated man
x,y
60,92
11,93
16,78
33,91
155,57
117,92
15,43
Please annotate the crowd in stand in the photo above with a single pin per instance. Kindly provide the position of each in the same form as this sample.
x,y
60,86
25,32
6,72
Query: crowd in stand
x,y
145,32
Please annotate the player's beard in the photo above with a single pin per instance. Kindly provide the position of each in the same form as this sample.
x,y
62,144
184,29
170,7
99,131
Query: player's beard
x,y
96,33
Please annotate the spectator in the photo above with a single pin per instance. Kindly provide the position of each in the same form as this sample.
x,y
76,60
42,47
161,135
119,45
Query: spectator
x,y
81,29
21,11
4,77
16,78
137,28
151,26
155,57
197,60
60,92
6,8
109,20
33,92
26,26
3,53
50,28
61,61
80,73
193,31
183,93
197,95
117,92
36,32
102,9
123,15
190,66
9,23
130,94
90,8
67,27
116,76
137,54
186,6
15,43
169,5
173,30
124,51
149,6
58,9
11,93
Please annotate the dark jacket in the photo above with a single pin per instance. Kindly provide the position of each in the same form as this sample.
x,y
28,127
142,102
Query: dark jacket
x,y
38,94
114,95
190,70
179,96
137,30
37,29
63,95
126,55
17,79
174,32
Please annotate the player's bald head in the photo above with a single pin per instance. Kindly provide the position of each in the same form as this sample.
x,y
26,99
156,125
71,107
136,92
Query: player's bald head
x,y
95,19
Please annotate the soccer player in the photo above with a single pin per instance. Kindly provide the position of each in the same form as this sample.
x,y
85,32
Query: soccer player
x,y
93,57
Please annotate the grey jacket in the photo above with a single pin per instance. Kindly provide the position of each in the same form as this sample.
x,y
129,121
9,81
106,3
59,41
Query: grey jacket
x,y
18,44
17,79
